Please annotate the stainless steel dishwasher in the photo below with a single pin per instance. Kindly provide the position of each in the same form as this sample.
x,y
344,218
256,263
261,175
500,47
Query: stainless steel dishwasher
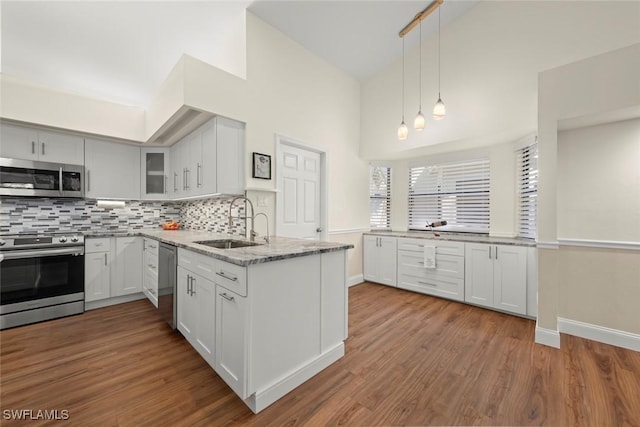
x,y
167,295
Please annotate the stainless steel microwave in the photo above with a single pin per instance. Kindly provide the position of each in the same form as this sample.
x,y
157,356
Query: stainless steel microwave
x,y
40,179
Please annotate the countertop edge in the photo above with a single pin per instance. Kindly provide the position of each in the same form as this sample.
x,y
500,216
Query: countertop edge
x,y
512,241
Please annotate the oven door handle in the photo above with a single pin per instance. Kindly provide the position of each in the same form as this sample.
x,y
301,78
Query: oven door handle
x,y
21,254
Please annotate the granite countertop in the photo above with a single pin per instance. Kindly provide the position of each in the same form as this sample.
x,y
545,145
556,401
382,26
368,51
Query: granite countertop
x,y
457,237
278,248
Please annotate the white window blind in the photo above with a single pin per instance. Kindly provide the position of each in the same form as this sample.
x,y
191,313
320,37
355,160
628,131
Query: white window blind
x,y
455,192
380,197
527,167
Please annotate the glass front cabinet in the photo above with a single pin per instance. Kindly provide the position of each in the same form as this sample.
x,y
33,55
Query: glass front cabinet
x,y
155,173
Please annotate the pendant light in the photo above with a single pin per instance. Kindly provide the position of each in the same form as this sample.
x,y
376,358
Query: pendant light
x,y
419,121
439,109
403,131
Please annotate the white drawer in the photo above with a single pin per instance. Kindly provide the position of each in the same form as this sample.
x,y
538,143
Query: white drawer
x,y
446,265
196,263
102,244
231,276
442,247
151,245
445,287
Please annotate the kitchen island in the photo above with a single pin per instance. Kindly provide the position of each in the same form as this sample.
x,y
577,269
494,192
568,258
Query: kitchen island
x,y
266,317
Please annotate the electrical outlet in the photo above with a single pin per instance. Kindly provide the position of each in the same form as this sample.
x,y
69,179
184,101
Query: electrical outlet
x,y
156,214
262,202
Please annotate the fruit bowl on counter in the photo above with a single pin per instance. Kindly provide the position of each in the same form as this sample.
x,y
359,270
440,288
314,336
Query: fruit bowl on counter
x,y
171,225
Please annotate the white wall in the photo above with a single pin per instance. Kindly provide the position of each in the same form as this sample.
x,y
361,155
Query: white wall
x,y
490,60
591,88
599,182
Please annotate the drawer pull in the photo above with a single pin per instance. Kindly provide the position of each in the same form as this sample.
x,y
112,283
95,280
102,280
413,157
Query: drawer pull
x,y
223,274
428,284
227,297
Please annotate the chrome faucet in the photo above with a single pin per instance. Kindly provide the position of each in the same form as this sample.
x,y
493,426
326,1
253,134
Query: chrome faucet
x,y
253,234
266,238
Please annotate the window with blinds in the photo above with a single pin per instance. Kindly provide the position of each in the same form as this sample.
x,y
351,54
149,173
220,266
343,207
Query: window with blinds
x,y
380,197
527,166
455,192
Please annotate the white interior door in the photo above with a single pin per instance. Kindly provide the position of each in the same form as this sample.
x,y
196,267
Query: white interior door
x,y
298,209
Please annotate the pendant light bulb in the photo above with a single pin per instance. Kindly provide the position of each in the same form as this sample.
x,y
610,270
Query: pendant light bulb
x,y
439,110
403,131
419,121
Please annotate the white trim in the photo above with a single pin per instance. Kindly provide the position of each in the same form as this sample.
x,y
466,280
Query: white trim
x,y
600,333
503,234
268,190
547,245
451,157
603,244
263,398
349,230
355,280
92,305
547,337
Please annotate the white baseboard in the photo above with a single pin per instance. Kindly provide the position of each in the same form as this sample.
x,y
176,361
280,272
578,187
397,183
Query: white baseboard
x,y
599,333
91,305
355,280
263,398
547,337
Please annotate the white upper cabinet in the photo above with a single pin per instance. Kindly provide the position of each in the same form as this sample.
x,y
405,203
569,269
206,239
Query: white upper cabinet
x,y
210,160
31,144
155,171
230,156
112,170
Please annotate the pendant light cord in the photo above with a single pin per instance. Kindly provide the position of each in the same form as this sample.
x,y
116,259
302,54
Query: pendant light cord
x,y
438,53
420,70
403,79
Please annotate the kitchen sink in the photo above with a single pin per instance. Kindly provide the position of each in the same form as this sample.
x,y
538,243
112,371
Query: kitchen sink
x,y
227,243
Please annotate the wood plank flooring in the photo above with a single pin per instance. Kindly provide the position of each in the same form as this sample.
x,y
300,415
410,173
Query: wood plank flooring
x,y
411,360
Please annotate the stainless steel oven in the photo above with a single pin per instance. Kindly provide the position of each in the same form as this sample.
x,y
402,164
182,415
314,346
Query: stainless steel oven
x,y
41,278
43,179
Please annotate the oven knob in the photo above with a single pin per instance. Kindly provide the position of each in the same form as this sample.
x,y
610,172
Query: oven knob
x,y
62,239
74,238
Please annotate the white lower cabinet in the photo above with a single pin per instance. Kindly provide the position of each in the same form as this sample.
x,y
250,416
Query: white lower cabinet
x,y
150,270
113,267
265,327
380,259
496,276
128,274
231,339
445,280
196,312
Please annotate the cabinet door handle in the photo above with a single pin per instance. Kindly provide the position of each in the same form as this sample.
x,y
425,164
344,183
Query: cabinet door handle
x,y
222,274
198,172
193,289
175,182
489,252
428,284
88,181
164,188
33,147
60,188
43,149
227,297
105,258
496,252
188,284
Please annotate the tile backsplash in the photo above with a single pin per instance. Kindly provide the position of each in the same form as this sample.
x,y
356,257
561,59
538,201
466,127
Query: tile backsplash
x,y
43,215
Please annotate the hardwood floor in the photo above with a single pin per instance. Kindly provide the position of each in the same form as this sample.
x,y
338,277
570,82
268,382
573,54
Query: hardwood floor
x,y
411,360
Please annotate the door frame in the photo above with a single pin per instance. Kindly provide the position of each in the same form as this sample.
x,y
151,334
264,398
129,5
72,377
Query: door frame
x,y
282,140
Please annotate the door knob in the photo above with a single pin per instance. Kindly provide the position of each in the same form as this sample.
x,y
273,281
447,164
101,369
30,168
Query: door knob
x,y
319,230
